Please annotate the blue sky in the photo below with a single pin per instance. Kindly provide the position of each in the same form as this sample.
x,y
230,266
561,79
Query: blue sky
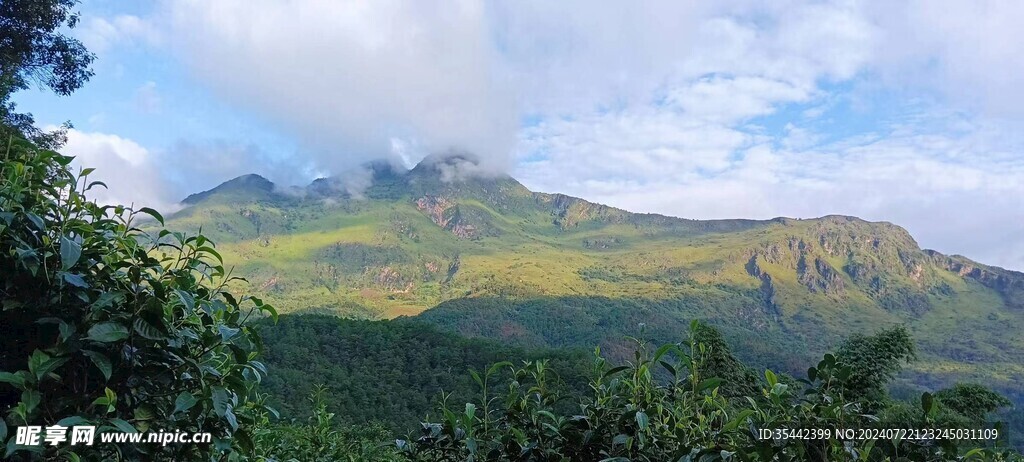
x,y
909,113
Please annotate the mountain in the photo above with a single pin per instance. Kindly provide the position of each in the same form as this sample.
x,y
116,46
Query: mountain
x,y
480,254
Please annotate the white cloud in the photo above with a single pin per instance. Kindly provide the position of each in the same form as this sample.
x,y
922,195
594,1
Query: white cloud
x,y
970,52
731,100
148,99
654,108
100,34
348,77
129,170
144,177
950,196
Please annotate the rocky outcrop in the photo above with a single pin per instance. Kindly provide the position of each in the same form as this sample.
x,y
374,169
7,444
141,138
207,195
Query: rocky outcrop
x,y
831,281
603,243
436,208
1009,284
767,287
819,277
569,212
445,213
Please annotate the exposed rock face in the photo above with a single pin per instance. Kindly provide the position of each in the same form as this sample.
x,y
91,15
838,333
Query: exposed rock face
x,y
601,243
388,278
453,268
569,212
1009,284
445,213
831,281
435,208
767,287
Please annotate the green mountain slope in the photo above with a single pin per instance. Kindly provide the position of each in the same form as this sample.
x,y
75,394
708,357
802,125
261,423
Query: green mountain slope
x,y
548,269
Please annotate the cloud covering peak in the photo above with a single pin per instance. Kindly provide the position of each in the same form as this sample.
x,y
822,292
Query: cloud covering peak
x,y
351,79
905,112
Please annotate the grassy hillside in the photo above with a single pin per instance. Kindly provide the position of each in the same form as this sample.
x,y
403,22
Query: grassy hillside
x,y
545,269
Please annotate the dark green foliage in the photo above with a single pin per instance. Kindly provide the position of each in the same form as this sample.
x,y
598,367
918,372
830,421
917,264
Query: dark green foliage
x,y
738,380
106,325
318,440
384,371
971,400
875,360
630,415
34,49
583,322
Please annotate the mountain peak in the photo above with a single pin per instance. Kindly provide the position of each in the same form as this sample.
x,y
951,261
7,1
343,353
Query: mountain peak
x,y
249,184
450,167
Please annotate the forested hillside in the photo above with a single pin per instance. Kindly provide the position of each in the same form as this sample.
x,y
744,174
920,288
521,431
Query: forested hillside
x,y
392,373
545,404
536,269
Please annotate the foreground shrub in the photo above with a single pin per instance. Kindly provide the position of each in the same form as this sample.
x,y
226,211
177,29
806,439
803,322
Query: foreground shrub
x,y
108,326
320,440
659,407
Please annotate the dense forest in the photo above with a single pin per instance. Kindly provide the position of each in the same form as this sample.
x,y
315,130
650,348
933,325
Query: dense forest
x,y
546,405
392,373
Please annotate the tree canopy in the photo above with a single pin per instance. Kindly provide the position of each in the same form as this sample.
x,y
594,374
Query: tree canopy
x,y
34,50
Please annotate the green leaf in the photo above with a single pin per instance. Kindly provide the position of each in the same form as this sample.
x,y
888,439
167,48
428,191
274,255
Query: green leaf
x,y
16,380
30,398
36,361
49,367
152,213
186,299
220,401
123,425
72,421
109,399
184,402
739,419
65,330
614,370
38,222
101,361
496,366
708,384
771,377
70,252
927,402
144,412
108,332
229,415
211,251
662,351
267,308
668,367
227,332
642,420
75,280
147,330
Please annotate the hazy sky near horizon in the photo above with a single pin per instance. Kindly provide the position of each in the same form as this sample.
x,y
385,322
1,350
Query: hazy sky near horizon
x,y
909,112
